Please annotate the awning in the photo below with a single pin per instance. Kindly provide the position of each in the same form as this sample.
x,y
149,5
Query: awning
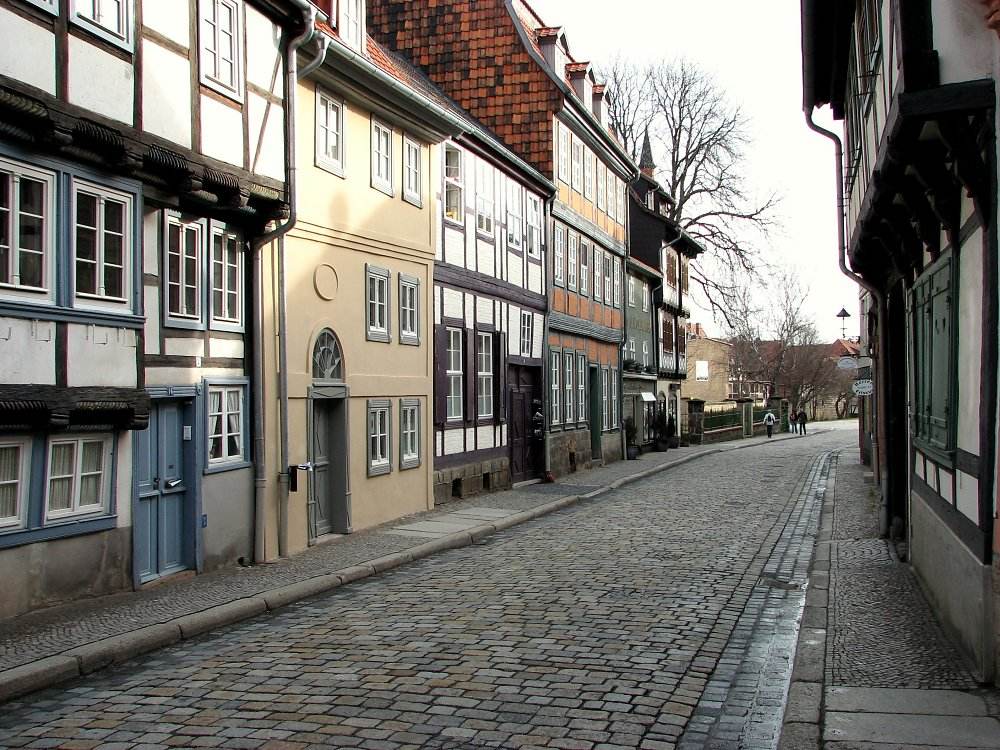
x,y
647,396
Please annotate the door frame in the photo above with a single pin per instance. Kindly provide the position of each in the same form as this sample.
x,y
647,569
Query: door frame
x,y
595,408
192,414
321,391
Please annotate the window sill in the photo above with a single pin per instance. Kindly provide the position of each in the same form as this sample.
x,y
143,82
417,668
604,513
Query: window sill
x,y
222,90
225,326
190,324
413,200
378,337
411,464
332,167
61,530
940,456
485,236
380,470
224,466
101,33
405,340
456,223
384,188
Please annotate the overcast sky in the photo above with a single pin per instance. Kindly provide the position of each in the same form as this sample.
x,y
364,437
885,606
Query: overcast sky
x,y
752,48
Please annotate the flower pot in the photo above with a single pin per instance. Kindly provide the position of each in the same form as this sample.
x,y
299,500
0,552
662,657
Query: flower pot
x,y
632,452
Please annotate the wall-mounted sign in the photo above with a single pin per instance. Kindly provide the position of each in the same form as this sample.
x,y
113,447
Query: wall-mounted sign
x,y
847,363
863,387
865,362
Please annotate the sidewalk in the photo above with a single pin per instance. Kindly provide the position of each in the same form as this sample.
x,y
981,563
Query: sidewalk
x,y
44,648
873,669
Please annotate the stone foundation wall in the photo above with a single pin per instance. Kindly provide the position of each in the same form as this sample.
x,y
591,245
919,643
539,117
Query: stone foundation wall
x,y
569,451
473,478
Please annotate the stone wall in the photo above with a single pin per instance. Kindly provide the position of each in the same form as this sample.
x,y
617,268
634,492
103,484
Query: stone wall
x,y
569,451
471,479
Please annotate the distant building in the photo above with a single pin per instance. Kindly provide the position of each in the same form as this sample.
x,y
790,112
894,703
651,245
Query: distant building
x,y
709,368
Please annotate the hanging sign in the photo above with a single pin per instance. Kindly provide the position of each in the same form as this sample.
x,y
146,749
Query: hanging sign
x,y
863,387
847,363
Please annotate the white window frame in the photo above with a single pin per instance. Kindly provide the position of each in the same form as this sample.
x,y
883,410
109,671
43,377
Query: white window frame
x,y
534,220
15,171
92,16
581,387
409,316
183,317
614,399
602,186
609,279
564,153
409,433
224,432
375,329
612,214
620,194
569,366
379,437
75,510
558,259
484,375
103,195
598,274
577,165
208,74
572,258
631,291
351,26
606,396
454,184
412,172
22,482
381,161
555,369
455,397
485,199
325,104
527,332
617,266
230,316
515,215
630,348
645,354
588,174
584,268
645,297
701,371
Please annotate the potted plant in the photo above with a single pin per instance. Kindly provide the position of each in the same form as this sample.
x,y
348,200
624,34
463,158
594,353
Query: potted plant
x,y
660,431
649,370
630,365
632,450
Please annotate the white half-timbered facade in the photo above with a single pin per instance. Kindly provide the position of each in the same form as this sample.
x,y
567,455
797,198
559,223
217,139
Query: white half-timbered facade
x,y
142,149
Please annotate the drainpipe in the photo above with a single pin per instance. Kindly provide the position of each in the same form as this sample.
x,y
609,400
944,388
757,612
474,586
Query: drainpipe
x,y
880,307
546,365
260,460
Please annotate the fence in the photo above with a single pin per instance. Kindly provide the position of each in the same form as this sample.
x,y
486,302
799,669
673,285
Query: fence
x,y
720,419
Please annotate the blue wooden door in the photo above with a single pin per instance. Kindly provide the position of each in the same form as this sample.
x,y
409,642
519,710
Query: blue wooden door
x,y
162,539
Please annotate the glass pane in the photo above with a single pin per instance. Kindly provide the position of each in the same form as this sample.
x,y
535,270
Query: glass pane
x,y
92,459
215,447
10,463
234,446
90,490
63,459
61,493
8,501
215,400
30,268
86,210
114,216
113,284
32,196
86,243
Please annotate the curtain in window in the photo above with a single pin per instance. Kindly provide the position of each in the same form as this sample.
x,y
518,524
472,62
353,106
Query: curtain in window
x,y
233,422
61,476
215,424
10,465
91,470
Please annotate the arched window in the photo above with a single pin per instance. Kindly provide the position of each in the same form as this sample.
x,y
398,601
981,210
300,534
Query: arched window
x,y
327,360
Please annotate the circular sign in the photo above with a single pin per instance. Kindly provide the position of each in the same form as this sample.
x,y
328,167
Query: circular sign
x,y
847,363
863,387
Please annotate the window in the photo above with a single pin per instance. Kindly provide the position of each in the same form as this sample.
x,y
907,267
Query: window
x,y
569,364
221,46
227,277
620,192
411,172
379,459
484,374
555,401
645,297
515,227
15,475
327,360
558,259
934,351
409,316
602,186
577,166
631,292
225,424
584,268
701,369
527,332
329,133
26,212
382,158
377,309
454,374
611,194
78,477
454,188
102,242
630,348
588,175
581,388
534,227
572,261
645,354
614,398
598,273
184,241
484,198
109,19
618,282
605,398
564,140
409,433
609,278
351,23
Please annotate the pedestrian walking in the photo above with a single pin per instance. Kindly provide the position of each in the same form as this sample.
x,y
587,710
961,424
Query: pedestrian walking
x,y
793,427
769,421
801,419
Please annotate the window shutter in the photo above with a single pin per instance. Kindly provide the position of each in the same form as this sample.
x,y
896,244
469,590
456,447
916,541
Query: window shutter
x,y
500,390
940,352
440,378
469,337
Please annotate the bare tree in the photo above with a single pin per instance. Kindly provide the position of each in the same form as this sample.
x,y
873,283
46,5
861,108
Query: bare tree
x,y
699,140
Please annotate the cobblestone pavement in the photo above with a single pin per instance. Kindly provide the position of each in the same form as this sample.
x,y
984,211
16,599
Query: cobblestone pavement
x,y
872,594
48,632
600,626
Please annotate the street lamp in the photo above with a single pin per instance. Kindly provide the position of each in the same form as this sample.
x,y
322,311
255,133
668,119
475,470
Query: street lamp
x,y
843,315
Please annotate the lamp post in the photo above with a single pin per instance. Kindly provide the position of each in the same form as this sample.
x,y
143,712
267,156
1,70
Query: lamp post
x,y
843,315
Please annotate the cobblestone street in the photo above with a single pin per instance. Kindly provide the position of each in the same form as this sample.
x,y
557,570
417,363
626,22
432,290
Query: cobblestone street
x,y
661,613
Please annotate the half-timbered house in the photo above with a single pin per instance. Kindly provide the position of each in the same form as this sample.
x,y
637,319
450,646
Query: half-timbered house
x,y
141,154
914,83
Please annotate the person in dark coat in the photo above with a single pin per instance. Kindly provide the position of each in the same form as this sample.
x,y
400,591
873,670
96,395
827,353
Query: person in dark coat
x,y
793,426
801,419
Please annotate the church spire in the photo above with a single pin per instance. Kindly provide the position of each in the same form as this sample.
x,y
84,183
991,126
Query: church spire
x,y
646,164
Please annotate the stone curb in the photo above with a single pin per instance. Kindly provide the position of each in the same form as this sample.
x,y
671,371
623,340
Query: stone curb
x,y
88,658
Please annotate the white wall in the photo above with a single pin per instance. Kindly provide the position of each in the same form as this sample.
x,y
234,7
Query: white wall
x,y
89,66
27,351
33,58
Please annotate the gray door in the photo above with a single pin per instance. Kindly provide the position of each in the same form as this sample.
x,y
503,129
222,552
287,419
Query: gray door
x,y
164,538
329,499
596,413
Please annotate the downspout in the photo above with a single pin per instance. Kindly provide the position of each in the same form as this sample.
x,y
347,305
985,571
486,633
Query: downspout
x,y
880,307
260,457
546,364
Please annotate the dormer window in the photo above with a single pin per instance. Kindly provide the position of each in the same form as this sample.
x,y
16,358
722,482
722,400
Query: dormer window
x,y
351,22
